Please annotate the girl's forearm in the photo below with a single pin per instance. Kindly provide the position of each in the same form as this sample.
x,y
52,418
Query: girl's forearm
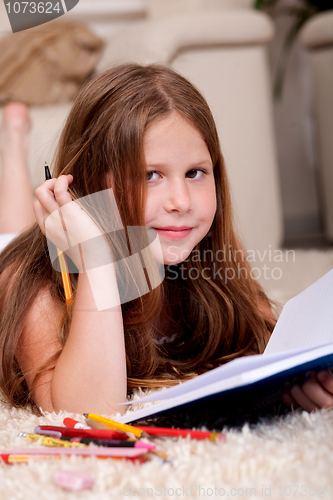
x,y
90,375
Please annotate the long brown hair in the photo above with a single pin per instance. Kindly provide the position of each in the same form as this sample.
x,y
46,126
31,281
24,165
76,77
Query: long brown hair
x,y
216,314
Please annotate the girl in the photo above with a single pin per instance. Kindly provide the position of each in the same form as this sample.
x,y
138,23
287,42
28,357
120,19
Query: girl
x,y
148,134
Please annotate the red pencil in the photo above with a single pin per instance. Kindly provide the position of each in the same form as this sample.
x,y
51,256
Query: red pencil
x,y
95,433
170,432
74,424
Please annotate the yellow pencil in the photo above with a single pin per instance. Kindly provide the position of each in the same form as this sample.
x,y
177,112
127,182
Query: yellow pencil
x,y
65,277
62,259
112,424
50,441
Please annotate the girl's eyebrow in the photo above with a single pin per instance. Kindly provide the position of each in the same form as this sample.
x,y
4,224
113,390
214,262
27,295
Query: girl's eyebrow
x,y
190,166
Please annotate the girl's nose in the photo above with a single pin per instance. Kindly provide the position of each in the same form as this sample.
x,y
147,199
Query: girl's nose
x,y
178,198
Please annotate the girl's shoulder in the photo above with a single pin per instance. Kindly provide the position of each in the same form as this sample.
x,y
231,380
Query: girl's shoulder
x,y
44,297
40,344
45,308
45,311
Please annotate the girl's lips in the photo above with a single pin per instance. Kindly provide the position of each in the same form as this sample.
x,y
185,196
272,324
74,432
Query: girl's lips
x,y
175,234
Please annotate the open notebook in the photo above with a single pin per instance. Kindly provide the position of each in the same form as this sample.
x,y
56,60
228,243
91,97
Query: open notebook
x,y
248,387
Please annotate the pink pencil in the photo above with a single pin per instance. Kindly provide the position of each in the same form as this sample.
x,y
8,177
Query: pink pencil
x,y
99,452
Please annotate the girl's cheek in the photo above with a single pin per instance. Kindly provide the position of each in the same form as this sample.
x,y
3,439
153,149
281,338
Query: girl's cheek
x,y
152,207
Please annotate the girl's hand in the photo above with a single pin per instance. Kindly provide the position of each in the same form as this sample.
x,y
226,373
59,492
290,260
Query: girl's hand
x,y
315,392
51,195
64,223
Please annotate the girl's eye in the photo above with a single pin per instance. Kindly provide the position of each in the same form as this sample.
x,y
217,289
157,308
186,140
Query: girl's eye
x,y
150,174
191,172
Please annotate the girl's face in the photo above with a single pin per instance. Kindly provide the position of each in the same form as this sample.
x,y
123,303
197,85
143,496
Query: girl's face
x,y
181,200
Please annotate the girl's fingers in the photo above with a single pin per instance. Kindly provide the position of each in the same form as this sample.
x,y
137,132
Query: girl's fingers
x,y
323,394
315,392
61,193
41,215
287,398
325,377
45,195
51,195
302,399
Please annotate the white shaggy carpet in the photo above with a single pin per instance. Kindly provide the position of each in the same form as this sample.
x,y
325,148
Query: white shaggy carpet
x,y
291,457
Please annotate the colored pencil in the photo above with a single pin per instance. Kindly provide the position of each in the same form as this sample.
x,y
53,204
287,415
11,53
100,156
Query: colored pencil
x,y
112,424
167,431
23,458
66,281
95,433
171,432
114,443
87,451
51,441
12,459
73,424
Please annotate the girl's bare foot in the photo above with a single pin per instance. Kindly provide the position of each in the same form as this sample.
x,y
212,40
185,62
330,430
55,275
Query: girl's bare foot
x,y
14,132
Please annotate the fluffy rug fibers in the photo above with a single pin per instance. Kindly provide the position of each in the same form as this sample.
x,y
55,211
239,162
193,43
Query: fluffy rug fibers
x,y
289,457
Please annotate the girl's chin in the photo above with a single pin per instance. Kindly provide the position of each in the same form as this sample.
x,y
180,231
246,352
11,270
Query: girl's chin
x,y
175,259
172,263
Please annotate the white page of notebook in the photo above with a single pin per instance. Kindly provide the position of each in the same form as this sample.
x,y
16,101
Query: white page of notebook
x,y
306,320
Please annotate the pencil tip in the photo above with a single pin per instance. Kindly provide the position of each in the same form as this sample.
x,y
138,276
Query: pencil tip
x,y
86,415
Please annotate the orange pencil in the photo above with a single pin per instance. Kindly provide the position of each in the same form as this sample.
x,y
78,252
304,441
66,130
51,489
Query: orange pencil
x,y
23,458
12,459
66,281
